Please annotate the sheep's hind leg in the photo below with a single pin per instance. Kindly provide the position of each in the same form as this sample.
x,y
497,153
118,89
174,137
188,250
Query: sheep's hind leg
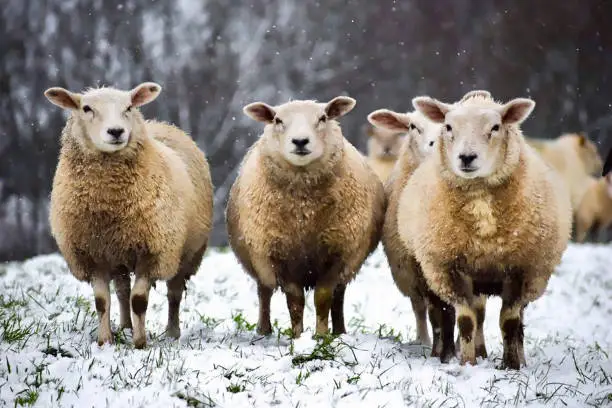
x,y
175,286
337,310
101,287
122,284
265,295
419,307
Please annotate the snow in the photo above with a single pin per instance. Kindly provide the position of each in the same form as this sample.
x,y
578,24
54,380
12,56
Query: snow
x,y
48,353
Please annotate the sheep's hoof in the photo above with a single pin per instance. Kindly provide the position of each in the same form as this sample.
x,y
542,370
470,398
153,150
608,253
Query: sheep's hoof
x,y
447,354
264,329
140,343
465,360
338,331
511,362
481,351
173,332
105,339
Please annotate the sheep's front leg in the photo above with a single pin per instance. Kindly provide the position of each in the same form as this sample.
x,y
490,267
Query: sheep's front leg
x,y
101,287
511,323
122,283
466,320
140,301
295,303
442,316
480,304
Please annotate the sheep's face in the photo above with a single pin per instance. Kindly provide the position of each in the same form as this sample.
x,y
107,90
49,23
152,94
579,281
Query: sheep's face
x,y
588,154
422,134
384,144
107,115
474,136
301,131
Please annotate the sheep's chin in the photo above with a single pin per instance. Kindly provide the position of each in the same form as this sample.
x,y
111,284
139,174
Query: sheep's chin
x,y
300,161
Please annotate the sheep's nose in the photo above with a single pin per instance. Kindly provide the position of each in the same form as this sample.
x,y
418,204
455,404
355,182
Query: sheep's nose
x,y
115,132
300,143
467,159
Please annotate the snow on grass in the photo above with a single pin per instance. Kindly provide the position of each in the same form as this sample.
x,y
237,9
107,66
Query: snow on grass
x,y
49,357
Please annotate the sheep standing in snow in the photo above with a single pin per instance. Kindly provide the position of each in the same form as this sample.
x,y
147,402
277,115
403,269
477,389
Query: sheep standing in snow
x,y
491,217
305,210
575,158
383,150
421,135
128,195
595,209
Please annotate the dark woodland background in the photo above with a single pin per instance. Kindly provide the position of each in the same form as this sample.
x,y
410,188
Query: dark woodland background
x,y
213,57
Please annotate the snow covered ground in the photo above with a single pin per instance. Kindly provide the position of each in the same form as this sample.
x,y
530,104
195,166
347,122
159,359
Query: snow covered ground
x,y
48,354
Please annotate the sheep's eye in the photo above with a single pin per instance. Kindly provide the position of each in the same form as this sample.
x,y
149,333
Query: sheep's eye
x,y
277,121
449,128
431,143
495,128
412,127
129,109
323,119
86,109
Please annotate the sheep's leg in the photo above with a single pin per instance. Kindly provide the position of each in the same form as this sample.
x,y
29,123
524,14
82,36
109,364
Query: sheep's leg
x,y
435,318
265,295
140,300
510,322
101,288
337,310
466,320
295,303
419,308
122,283
175,286
582,228
521,348
442,316
323,297
480,304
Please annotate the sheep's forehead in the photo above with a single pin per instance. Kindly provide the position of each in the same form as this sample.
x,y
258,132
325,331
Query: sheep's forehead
x,y
107,96
303,108
473,116
386,134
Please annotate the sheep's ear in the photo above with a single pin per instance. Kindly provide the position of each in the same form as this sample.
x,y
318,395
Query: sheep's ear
x,y
144,93
260,112
516,111
582,139
386,119
339,106
432,108
474,93
63,98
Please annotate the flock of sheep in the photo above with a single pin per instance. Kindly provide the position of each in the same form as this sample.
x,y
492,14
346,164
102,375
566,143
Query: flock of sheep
x,y
464,207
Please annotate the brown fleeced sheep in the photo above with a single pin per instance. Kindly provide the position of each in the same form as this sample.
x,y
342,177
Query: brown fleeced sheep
x,y
421,135
595,210
305,210
128,195
574,157
383,150
491,219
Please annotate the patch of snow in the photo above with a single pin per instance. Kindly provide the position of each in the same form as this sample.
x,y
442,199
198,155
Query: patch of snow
x,y
48,351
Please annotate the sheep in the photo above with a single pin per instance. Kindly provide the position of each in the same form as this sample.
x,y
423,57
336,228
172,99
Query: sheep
x,y
305,210
574,157
421,135
383,150
491,217
595,209
128,195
